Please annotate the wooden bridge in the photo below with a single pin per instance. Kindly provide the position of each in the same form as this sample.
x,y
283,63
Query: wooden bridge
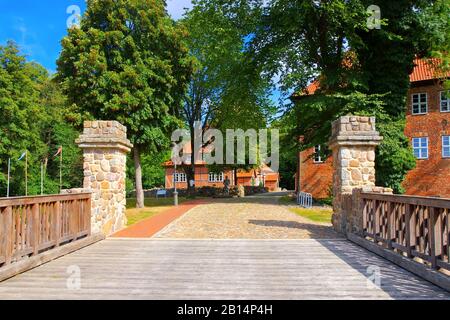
x,y
39,229
219,269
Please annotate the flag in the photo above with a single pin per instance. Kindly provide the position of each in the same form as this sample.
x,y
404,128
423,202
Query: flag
x,y
22,156
58,152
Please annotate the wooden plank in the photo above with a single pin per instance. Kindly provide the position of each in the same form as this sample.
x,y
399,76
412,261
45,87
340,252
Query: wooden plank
x,y
417,268
23,201
8,218
408,234
391,210
16,268
36,228
435,236
242,269
413,200
57,222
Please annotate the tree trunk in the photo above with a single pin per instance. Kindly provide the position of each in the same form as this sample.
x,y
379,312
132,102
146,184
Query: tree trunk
x,y
190,175
138,178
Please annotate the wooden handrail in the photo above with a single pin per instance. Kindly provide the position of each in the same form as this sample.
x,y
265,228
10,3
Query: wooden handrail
x,y
418,227
14,201
31,225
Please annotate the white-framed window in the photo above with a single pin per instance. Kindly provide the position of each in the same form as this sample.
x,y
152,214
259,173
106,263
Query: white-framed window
x,y
215,177
446,146
419,103
420,147
180,177
445,101
317,154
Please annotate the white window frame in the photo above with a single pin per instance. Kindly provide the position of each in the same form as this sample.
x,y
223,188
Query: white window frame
x,y
317,155
445,146
420,103
215,177
447,101
420,146
180,177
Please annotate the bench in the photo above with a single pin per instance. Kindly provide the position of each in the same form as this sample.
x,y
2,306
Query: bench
x,y
161,193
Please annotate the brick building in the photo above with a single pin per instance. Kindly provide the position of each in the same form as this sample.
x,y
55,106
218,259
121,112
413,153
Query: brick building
x,y
427,127
204,178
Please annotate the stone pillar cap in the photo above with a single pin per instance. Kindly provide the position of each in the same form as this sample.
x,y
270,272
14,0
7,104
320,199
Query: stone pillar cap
x,y
354,130
104,135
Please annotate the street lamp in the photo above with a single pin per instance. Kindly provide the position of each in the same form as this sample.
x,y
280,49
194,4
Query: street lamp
x,y
175,192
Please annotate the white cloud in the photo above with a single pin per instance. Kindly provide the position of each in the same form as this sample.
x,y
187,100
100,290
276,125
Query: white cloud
x,y
176,7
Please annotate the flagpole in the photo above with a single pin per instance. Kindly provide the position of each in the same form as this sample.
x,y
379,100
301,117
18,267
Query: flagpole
x,y
9,173
60,171
42,179
26,173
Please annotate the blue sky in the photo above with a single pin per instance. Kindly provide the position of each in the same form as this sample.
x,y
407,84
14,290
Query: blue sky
x,y
39,25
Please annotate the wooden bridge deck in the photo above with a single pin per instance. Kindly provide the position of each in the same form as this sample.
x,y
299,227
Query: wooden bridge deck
x,y
220,269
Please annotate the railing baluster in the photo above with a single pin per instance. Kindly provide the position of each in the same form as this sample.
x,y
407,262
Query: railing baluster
x,y
390,222
432,228
376,211
35,223
8,216
408,230
57,225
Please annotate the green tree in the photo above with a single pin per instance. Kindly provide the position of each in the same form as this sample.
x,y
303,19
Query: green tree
x,y
33,119
361,71
226,90
128,62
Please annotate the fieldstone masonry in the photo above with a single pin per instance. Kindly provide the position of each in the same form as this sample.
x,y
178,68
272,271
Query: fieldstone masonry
x,y
105,147
353,144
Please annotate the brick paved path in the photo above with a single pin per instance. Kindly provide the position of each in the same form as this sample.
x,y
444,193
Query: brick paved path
x,y
258,217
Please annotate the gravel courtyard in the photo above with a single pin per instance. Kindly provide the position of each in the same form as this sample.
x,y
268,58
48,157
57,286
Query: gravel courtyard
x,y
257,217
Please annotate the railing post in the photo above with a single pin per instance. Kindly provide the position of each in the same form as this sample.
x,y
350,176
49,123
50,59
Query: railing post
x,y
391,209
8,234
376,221
87,214
35,228
408,230
57,222
434,233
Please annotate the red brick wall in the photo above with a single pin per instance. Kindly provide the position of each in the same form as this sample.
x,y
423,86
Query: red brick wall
x,y
315,178
431,177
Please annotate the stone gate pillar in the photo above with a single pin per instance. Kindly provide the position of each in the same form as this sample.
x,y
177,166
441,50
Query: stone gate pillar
x,y
105,147
353,144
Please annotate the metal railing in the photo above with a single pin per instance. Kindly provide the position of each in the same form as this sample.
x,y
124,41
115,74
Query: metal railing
x,y
305,200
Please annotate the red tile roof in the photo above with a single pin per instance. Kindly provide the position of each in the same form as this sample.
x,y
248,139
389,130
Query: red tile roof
x,y
427,69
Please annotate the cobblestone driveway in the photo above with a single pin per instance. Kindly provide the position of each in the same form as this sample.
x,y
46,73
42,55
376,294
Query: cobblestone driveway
x,y
258,217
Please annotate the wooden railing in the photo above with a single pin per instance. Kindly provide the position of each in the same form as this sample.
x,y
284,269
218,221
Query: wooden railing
x,y
31,225
417,227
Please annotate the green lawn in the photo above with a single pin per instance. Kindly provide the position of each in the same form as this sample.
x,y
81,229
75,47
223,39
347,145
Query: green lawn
x,y
154,202
153,206
316,215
